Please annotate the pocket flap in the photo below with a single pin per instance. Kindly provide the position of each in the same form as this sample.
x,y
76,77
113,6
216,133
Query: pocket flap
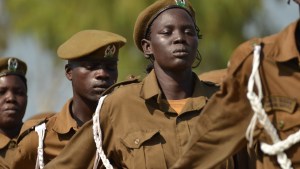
x,y
137,138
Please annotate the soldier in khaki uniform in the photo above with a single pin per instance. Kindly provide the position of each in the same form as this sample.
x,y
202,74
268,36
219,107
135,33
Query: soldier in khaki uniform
x,y
147,124
92,57
13,102
259,102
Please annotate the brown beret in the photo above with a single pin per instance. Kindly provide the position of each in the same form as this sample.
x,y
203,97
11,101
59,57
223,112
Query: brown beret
x,y
12,66
148,15
86,42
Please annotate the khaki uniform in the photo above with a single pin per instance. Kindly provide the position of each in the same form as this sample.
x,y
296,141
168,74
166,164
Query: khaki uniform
x,y
222,126
139,131
60,128
215,76
7,148
3,164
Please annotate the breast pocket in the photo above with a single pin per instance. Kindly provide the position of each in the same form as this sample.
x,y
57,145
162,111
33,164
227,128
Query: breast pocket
x,y
145,150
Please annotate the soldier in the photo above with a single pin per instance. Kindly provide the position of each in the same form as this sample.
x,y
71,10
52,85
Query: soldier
x,y
92,57
13,102
147,124
259,102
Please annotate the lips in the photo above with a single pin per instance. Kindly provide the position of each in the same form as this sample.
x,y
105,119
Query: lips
x,y
180,52
100,88
11,110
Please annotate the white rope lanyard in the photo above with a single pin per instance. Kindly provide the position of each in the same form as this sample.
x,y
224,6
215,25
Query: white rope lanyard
x,y
98,137
279,146
40,129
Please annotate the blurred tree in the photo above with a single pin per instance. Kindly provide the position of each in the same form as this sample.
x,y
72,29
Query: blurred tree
x,y
52,22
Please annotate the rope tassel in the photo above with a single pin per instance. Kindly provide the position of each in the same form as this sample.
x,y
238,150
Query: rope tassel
x,y
260,115
98,137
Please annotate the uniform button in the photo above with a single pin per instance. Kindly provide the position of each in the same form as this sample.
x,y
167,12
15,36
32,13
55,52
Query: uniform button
x,y
281,124
137,141
12,144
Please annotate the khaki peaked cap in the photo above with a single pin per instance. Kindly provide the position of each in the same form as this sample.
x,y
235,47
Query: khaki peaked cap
x,y
12,66
86,42
148,15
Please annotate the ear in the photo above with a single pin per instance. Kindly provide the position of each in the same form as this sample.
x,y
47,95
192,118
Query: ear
x,y
146,45
68,71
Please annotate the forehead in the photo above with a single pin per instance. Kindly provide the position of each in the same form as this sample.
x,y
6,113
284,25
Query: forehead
x,y
11,81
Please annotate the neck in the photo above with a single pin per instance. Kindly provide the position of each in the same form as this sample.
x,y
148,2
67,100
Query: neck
x,y
175,86
11,132
82,110
297,36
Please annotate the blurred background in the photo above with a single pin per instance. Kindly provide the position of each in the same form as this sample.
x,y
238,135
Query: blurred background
x,y
33,29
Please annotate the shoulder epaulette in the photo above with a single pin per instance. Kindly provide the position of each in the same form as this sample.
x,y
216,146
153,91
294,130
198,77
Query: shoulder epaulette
x,y
132,79
30,129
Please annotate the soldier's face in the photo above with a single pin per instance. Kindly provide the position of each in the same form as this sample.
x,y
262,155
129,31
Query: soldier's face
x,y
13,101
173,40
91,78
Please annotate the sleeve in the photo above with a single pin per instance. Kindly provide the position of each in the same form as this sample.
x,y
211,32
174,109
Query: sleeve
x,y
221,127
80,152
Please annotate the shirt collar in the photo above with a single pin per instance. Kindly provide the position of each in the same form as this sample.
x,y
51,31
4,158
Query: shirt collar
x,y
4,141
64,121
150,89
285,46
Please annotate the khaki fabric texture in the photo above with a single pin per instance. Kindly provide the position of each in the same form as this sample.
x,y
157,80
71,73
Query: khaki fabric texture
x,y
228,114
139,131
215,76
7,149
59,130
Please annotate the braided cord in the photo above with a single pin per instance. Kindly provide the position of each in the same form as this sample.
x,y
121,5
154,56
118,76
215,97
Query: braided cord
x,y
98,137
40,129
259,114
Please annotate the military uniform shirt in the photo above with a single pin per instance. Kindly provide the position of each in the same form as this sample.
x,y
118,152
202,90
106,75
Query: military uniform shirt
x,y
59,130
222,128
138,129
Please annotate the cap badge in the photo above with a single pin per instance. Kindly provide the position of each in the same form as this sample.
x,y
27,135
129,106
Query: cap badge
x,y
180,3
110,51
12,64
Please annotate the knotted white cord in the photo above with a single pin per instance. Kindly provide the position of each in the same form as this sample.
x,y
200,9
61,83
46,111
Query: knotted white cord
x,y
259,114
98,137
40,129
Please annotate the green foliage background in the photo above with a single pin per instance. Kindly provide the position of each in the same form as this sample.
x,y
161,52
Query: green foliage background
x,y
53,21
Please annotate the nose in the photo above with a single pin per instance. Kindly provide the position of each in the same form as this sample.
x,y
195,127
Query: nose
x,y
10,97
179,37
101,73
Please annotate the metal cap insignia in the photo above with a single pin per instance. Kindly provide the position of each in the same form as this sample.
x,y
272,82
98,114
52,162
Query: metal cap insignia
x,y
110,51
12,64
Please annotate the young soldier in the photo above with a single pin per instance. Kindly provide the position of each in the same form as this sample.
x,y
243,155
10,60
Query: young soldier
x,y
259,101
92,57
13,102
147,124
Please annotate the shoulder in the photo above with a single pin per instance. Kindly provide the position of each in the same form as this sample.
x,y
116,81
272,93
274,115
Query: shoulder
x,y
30,125
130,81
241,53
